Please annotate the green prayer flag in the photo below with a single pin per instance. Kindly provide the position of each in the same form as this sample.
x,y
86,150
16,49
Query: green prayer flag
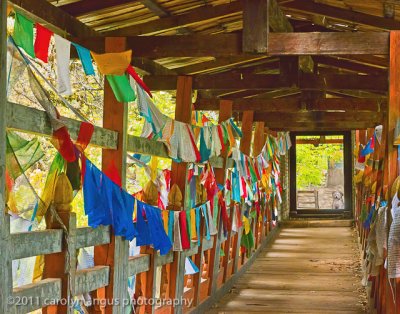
x,y
21,154
123,91
23,34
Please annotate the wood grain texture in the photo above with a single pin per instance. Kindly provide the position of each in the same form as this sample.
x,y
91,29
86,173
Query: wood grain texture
x,y
255,26
307,270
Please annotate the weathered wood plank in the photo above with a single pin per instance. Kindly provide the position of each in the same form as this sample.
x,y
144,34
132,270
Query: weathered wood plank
x,y
168,23
26,244
31,120
226,45
351,16
255,26
53,18
90,279
41,293
293,104
86,6
208,244
241,81
138,264
88,236
165,259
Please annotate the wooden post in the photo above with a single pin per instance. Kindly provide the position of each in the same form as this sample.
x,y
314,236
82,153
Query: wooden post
x,y
225,112
62,265
183,113
245,143
5,260
116,253
255,26
393,115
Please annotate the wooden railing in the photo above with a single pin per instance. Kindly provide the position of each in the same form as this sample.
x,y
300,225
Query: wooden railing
x,y
61,241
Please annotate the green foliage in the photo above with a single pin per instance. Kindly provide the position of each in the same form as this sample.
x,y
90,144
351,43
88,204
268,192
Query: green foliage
x,y
312,163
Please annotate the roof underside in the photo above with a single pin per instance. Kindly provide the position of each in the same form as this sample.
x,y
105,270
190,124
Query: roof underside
x,y
188,17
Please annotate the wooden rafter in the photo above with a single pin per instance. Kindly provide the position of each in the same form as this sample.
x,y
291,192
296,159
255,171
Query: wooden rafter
x,y
349,16
54,18
293,104
237,81
87,6
349,65
173,22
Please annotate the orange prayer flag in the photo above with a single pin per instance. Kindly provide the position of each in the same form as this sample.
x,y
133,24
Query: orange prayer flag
x,y
114,63
9,9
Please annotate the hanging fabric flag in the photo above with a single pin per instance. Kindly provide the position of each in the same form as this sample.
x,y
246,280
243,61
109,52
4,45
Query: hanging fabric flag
x,y
190,267
143,229
23,34
86,59
42,42
212,227
131,71
193,224
114,63
63,56
184,232
369,148
197,211
205,215
177,232
159,238
122,89
170,225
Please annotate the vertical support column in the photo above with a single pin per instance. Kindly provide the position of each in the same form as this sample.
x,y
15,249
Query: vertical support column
x,y
393,114
5,260
225,112
115,255
183,113
255,26
245,143
62,265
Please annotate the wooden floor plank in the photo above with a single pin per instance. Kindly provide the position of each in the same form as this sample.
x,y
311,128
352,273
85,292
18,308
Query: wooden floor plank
x,y
306,270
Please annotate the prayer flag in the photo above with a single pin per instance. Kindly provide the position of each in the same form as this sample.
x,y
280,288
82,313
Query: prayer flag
x,y
63,56
115,63
23,34
42,42
86,59
122,89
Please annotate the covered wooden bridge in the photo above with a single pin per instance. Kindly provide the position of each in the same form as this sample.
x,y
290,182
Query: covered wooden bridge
x,y
320,68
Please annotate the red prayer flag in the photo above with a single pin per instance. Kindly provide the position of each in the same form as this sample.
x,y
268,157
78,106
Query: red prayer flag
x,y
63,143
42,42
112,173
184,233
131,71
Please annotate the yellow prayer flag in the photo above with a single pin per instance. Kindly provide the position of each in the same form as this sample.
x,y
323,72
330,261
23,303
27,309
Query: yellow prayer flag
x,y
246,223
193,223
114,63
165,219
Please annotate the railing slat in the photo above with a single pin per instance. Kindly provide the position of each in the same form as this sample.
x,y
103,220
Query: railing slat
x,y
90,279
34,296
88,236
26,244
138,264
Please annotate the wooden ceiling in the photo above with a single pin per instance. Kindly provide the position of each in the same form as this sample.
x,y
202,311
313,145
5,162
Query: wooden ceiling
x,y
356,69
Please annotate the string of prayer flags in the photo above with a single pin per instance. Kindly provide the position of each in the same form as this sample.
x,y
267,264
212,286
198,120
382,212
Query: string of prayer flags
x,y
113,63
63,57
131,71
122,89
42,42
190,267
86,59
23,34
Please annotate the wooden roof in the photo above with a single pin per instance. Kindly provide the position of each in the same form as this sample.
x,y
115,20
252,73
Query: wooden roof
x,y
217,63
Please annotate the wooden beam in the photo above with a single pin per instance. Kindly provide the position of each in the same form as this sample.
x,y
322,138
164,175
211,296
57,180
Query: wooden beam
x,y
241,81
347,15
172,22
349,65
53,18
154,7
87,6
228,45
255,26
292,104
326,126
276,118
